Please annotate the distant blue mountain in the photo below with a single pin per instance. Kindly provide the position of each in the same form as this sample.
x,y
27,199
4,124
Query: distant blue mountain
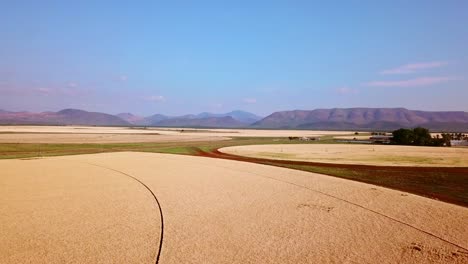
x,y
241,116
365,119
232,119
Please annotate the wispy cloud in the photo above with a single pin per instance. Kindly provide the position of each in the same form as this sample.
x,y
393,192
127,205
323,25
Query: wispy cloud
x,y
249,100
123,78
8,91
415,67
416,82
155,98
218,105
43,91
346,90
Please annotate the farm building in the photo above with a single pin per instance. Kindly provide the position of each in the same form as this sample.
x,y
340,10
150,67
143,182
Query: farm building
x,y
304,138
309,138
459,142
382,139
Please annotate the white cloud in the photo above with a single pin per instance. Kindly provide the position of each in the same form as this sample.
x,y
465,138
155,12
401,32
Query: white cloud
x,y
346,90
249,100
46,91
415,67
123,78
416,82
155,98
43,91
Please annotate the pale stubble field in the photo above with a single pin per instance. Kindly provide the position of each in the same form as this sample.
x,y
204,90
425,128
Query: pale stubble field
x,y
382,155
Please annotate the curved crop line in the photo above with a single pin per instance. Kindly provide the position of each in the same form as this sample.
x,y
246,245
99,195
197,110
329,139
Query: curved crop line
x,y
351,203
155,198
373,211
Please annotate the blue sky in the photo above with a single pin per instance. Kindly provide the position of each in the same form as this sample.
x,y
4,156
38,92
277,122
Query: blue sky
x,y
177,57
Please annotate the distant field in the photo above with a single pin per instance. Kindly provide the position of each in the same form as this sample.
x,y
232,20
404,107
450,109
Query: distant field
x,y
359,137
9,134
381,155
54,138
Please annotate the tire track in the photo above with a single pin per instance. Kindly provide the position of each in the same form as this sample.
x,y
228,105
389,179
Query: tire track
x,y
158,254
350,203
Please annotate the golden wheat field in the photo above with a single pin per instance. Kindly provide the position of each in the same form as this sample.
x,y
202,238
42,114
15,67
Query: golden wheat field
x,y
358,154
145,208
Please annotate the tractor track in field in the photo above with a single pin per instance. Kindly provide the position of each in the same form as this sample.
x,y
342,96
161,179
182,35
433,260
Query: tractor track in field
x,y
376,171
217,154
161,236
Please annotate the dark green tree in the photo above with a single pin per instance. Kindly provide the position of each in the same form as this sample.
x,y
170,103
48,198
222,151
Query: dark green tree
x,y
421,136
437,141
403,136
446,137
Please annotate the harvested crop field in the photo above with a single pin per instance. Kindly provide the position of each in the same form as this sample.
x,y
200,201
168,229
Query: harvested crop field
x,y
72,138
380,155
100,208
359,137
73,134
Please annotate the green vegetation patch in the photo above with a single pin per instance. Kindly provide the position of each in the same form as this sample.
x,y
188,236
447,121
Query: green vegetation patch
x,y
25,150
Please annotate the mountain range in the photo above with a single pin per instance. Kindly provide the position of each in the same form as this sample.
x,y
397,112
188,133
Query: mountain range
x,y
80,117
64,117
364,119
330,119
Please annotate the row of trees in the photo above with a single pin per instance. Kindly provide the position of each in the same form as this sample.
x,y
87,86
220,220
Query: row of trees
x,y
457,136
378,133
420,136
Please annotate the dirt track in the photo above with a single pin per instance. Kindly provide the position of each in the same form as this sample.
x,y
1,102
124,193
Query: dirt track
x,y
87,208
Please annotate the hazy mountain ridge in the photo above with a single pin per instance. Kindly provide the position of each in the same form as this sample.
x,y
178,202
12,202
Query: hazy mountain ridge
x,y
226,121
154,119
325,119
63,117
205,119
364,118
241,116
81,117
133,119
